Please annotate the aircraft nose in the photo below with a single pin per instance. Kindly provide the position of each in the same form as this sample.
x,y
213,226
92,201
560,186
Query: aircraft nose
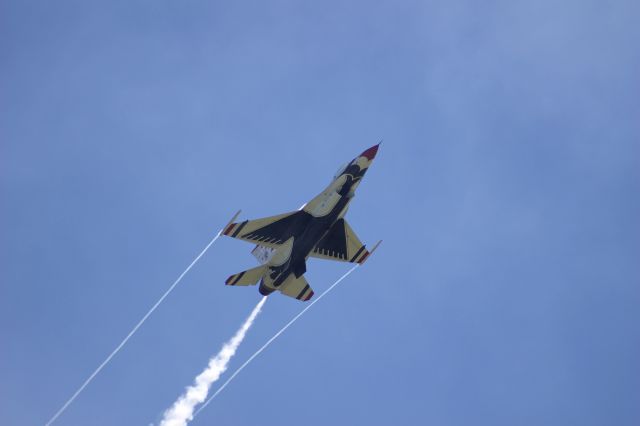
x,y
371,152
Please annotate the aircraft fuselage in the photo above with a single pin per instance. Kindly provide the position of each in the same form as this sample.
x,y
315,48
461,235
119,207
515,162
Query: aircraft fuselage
x,y
313,222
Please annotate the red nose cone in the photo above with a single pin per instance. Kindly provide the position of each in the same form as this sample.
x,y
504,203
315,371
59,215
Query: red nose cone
x,y
370,153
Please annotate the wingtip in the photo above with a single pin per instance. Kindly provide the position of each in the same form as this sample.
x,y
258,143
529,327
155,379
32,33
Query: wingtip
x,y
368,255
227,228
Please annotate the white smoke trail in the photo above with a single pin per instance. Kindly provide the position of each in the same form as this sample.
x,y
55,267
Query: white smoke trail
x,y
235,373
131,333
182,410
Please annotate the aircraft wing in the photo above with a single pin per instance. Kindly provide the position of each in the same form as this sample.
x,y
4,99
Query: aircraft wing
x,y
297,288
341,244
269,231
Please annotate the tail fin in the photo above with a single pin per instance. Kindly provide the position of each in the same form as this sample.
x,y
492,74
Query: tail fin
x,y
248,277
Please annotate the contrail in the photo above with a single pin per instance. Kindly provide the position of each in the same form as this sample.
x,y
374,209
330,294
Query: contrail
x,y
181,412
224,385
131,333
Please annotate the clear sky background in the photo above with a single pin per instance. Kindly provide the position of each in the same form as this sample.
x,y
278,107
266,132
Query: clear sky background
x,y
506,191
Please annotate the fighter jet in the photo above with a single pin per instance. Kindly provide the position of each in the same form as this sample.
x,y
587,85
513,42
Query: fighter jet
x,y
317,229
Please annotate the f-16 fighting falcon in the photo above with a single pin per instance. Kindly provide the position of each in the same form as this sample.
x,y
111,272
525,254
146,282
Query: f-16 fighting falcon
x,y
318,229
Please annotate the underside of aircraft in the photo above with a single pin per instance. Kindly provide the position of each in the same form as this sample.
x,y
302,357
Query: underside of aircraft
x,y
318,229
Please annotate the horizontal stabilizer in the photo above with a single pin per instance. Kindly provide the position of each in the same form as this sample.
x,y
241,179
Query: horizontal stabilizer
x,y
248,277
297,288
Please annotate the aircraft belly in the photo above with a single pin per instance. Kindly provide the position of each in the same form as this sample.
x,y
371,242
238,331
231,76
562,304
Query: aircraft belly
x,y
317,229
290,258
326,204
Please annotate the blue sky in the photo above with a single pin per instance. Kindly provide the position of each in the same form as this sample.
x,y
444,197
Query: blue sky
x,y
506,192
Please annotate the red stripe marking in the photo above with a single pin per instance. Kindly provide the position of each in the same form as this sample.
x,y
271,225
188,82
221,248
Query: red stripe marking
x,y
364,256
309,296
229,228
